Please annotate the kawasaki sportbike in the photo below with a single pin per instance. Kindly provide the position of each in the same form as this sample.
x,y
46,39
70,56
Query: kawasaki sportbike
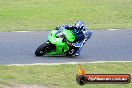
x,y
58,43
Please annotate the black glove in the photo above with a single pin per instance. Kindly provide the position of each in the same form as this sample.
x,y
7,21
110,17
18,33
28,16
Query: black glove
x,y
57,28
69,28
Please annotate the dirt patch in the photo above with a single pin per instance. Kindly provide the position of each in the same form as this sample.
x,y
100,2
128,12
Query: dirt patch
x,y
23,86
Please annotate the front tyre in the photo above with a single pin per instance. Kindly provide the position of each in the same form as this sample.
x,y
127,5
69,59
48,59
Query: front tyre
x,y
42,49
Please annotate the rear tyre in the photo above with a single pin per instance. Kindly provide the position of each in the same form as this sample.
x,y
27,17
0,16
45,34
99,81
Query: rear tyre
x,y
42,49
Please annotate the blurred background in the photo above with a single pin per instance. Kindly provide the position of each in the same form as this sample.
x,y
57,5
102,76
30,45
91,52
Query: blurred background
x,y
40,15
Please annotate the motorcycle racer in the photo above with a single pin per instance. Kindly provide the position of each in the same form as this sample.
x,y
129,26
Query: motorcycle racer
x,y
81,35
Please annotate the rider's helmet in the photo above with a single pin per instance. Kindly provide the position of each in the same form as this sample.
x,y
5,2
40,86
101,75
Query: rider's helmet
x,y
79,25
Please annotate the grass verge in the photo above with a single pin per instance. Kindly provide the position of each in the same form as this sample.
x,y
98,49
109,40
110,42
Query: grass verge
x,y
60,76
39,15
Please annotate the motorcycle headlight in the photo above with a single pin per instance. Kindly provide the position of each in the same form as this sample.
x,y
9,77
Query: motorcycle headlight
x,y
50,34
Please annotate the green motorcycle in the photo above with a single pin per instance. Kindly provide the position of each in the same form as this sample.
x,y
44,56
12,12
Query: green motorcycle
x,y
57,43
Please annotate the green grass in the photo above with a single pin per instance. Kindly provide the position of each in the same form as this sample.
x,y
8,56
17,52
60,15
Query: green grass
x,y
61,76
39,15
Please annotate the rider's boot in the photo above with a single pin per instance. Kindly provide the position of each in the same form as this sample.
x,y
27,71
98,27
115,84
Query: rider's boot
x,y
77,52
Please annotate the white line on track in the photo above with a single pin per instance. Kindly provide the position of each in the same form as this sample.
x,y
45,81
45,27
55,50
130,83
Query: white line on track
x,y
112,29
22,31
67,63
32,31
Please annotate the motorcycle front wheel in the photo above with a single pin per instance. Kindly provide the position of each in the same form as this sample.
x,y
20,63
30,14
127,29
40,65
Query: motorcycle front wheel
x,y
42,49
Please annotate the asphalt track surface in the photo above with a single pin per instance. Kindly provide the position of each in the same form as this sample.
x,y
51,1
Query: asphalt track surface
x,y
104,45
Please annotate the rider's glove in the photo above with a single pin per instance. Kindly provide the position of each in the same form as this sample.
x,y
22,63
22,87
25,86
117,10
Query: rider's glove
x,y
69,27
57,28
